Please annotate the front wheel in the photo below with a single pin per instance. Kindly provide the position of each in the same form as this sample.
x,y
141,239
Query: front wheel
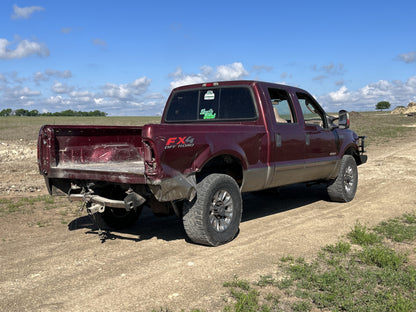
x,y
213,217
344,187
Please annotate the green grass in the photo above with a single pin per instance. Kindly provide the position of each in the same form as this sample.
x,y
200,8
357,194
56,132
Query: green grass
x,y
381,127
360,235
25,204
45,210
399,229
361,274
27,128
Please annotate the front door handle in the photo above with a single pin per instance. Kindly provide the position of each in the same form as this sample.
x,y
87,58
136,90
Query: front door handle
x,y
308,139
278,140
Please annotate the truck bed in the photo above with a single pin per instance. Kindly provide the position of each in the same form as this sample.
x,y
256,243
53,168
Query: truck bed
x,y
103,153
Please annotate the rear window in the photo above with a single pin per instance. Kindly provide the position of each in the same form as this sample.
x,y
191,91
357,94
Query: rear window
x,y
212,105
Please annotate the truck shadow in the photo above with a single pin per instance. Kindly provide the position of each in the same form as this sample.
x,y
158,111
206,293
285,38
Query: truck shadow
x,y
269,202
256,205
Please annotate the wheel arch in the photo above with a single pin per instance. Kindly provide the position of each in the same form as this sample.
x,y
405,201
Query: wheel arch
x,y
353,151
223,163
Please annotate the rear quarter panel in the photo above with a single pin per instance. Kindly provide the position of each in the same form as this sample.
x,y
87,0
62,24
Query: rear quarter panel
x,y
186,148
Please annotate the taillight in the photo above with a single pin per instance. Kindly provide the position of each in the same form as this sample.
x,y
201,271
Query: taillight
x,y
150,165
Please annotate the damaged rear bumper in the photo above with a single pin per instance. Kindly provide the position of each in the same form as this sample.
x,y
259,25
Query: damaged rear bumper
x,y
175,188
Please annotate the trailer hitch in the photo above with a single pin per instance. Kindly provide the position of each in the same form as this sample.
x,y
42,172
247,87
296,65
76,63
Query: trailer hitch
x,y
96,204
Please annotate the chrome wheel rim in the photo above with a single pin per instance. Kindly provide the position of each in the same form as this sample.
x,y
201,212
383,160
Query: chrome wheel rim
x,y
349,179
221,211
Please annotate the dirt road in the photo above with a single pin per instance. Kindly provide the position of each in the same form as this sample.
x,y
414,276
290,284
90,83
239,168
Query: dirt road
x,y
55,266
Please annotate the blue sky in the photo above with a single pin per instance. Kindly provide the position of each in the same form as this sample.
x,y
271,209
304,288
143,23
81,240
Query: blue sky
x,y
124,57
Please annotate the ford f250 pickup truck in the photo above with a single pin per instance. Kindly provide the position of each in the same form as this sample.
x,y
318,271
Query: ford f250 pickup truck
x,y
215,141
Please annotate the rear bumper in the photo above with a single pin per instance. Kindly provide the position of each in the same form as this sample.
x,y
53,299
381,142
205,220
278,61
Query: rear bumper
x,y
131,172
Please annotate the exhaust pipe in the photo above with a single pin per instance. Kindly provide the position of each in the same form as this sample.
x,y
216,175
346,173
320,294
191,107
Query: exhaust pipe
x,y
131,201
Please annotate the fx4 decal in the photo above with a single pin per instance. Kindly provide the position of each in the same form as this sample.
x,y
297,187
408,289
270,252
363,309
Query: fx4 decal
x,y
173,142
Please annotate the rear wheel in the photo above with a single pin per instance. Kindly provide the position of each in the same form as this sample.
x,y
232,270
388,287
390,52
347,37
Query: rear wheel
x,y
344,187
213,217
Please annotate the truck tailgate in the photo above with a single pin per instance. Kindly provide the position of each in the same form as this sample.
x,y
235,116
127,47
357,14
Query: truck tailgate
x,y
103,153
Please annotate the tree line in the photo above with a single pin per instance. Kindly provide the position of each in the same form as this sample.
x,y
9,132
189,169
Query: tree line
x,y
66,113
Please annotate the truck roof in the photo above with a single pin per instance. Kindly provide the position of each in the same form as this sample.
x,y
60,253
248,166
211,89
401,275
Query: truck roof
x,y
233,83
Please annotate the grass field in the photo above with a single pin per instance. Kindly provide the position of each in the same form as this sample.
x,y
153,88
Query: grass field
x,y
27,128
381,127
366,271
378,127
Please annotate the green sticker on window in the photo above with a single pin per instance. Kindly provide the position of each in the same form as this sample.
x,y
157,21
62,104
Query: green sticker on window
x,y
208,114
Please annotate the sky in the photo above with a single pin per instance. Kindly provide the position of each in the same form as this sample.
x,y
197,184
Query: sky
x,y
124,57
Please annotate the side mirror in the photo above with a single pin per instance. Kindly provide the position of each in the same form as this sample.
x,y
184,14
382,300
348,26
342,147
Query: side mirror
x,y
344,119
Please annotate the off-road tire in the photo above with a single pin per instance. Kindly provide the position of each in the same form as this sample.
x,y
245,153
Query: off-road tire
x,y
213,217
117,218
344,187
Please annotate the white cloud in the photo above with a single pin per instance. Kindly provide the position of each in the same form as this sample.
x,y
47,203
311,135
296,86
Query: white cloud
x,y
58,73
340,95
25,92
155,96
99,42
126,91
59,87
408,57
330,69
98,101
82,96
18,96
319,78
55,100
182,79
396,92
115,99
25,12
38,76
23,49
261,68
233,71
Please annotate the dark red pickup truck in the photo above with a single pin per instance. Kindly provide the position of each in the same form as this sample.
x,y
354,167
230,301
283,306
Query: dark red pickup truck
x,y
215,141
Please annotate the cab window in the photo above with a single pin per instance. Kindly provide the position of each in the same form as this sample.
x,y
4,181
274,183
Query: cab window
x,y
312,112
282,106
212,104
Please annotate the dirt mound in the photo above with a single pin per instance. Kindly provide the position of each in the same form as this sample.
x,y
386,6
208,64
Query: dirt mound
x,y
411,108
354,114
19,169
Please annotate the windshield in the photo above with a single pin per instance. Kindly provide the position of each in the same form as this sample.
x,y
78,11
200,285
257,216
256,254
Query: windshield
x,y
216,104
